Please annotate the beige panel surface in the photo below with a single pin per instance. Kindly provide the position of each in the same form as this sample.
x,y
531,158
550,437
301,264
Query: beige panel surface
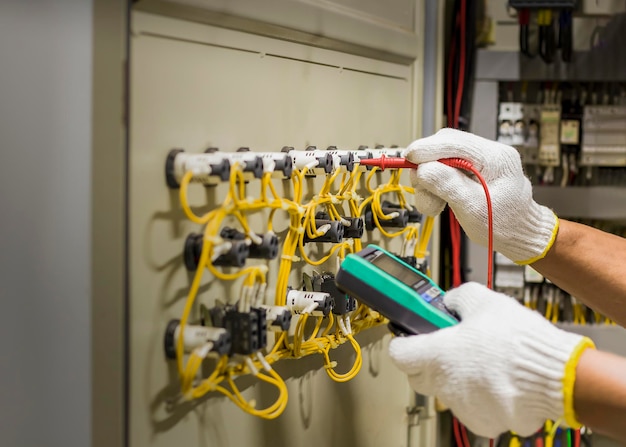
x,y
389,26
195,86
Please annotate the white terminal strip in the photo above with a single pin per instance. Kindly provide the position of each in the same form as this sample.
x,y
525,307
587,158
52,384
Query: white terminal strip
x,y
316,161
251,163
213,166
195,336
317,304
209,169
387,152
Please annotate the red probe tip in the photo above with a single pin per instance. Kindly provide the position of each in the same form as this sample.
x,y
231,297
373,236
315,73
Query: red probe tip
x,y
388,163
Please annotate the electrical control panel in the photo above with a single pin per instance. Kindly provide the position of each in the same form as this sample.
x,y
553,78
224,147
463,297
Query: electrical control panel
x,y
245,195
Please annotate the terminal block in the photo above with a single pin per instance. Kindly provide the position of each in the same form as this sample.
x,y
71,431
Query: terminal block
x,y
195,336
363,153
279,164
352,226
414,215
325,282
251,163
278,317
248,329
334,234
386,151
207,169
266,249
342,159
319,162
317,304
400,220
235,255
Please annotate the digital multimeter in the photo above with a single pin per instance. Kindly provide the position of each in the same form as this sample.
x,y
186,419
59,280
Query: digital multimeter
x,y
411,301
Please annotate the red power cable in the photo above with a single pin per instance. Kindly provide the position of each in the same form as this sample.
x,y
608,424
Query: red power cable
x,y
460,86
577,438
457,432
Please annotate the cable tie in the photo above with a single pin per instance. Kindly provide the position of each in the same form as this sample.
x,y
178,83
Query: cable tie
x,y
292,258
334,199
331,365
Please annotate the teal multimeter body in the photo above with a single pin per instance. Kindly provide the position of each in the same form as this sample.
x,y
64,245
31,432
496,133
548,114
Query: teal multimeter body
x,y
411,301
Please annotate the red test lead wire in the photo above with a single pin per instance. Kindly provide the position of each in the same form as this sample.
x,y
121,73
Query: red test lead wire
x,y
399,163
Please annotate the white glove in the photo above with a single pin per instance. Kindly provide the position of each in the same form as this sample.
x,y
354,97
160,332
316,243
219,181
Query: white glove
x,y
523,230
503,367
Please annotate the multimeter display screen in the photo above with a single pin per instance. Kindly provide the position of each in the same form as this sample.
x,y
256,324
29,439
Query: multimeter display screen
x,y
404,274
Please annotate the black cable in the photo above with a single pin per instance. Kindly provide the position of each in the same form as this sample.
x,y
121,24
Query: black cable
x,y
547,42
470,62
566,38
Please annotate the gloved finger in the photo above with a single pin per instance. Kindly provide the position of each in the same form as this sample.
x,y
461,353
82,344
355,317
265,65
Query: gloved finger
x,y
426,202
417,355
448,143
468,299
493,159
450,184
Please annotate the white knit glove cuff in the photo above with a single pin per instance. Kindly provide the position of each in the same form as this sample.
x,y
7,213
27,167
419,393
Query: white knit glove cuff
x,y
529,241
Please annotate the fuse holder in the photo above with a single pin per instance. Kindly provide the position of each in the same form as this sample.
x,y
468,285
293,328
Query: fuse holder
x,y
353,230
267,249
414,215
235,256
195,336
400,221
318,304
207,169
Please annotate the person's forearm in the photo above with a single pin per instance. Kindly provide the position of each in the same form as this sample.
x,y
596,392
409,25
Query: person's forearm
x,y
600,393
590,265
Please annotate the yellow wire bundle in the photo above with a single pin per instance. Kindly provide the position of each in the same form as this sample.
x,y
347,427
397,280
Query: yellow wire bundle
x,y
338,329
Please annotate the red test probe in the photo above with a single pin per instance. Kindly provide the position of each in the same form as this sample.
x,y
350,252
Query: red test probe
x,y
399,163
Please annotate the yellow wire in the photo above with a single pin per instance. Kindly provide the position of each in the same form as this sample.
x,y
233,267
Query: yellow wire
x,y
302,219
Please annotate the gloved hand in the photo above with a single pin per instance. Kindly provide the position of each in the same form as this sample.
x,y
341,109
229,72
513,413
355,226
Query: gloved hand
x,y
523,230
503,367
